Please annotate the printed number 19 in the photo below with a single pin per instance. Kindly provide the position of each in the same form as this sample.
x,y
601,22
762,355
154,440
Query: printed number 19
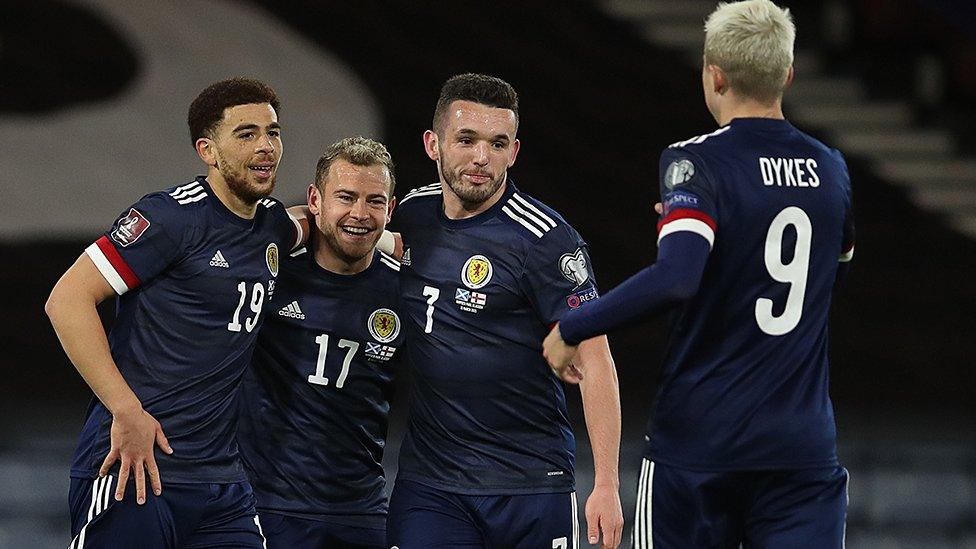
x,y
432,294
793,273
257,301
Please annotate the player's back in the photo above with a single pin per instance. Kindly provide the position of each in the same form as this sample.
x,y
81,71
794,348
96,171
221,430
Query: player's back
x,y
745,381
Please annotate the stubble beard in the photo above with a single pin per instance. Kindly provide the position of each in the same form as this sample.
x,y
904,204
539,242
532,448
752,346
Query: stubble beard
x,y
471,197
331,237
239,185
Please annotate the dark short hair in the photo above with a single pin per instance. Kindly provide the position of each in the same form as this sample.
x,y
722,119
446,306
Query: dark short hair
x,y
358,151
207,110
477,88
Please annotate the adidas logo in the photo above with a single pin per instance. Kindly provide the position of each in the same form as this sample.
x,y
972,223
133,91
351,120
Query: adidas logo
x,y
218,260
292,310
405,260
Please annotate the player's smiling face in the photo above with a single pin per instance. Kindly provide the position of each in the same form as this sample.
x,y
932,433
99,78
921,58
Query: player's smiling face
x,y
246,147
352,209
474,149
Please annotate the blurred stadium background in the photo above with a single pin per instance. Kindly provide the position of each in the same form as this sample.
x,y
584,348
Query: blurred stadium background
x,y
92,107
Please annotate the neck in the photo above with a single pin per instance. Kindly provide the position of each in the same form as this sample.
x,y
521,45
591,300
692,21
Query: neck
x,y
228,198
328,260
750,108
455,208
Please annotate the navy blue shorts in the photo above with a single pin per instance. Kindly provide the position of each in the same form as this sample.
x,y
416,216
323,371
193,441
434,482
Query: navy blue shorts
x,y
798,508
422,517
290,532
185,515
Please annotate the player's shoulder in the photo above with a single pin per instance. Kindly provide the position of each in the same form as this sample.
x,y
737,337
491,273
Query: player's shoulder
x,y
419,196
822,148
533,220
389,265
186,196
173,207
700,144
271,204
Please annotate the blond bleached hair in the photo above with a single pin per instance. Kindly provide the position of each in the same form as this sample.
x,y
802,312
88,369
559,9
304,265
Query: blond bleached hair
x,y
752,41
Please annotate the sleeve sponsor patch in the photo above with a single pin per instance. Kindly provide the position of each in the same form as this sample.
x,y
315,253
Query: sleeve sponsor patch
x,y
576,300
679,199
574,267
130,228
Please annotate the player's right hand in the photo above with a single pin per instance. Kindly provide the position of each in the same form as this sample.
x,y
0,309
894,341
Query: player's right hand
x,y
134,434
560,355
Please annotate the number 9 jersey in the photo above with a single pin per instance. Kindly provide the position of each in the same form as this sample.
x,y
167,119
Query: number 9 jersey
x,y
194,282
745,378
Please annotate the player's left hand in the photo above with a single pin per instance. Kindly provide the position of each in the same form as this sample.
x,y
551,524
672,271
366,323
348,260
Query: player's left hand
x,y
604,516
560,356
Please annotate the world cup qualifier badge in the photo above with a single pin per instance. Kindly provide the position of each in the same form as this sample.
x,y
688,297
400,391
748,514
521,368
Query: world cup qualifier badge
x,y
271,256
130,227
476,272
383,325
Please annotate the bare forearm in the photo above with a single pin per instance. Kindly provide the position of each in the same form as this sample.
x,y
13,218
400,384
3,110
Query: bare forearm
x,y
601,407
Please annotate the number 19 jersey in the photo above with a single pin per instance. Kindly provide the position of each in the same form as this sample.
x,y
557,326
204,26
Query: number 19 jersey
x,y
487,416
745,378
194,282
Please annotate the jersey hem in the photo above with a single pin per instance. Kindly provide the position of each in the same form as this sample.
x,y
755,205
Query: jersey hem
x,y
371,521
75,473
492,491
744,466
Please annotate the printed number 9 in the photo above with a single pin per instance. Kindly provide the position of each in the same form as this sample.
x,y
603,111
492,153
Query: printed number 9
x,y
793,273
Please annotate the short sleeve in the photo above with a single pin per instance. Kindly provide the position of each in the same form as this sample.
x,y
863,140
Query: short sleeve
x,y
558,274
687,194
145,239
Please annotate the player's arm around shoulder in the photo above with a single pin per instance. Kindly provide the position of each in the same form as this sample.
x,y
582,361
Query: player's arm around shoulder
x,y
601,407
72,310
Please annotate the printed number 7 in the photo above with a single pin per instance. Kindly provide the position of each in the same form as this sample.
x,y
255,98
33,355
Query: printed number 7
x,y
432,294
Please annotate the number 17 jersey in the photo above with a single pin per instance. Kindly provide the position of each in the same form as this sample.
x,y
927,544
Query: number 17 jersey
x,y
745,377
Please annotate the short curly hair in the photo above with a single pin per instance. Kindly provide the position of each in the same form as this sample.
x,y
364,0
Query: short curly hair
x,y
477,88
207,110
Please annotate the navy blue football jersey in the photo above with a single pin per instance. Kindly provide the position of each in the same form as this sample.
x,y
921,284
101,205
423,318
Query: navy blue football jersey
x,y
488,417
315,403
195,281
745,377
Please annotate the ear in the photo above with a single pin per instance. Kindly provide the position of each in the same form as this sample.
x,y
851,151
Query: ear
x,y
314,199
720,82
205,150
789,78
430,145
389,208
516,145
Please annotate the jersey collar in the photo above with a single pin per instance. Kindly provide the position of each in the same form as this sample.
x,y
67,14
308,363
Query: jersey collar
x,y
486,215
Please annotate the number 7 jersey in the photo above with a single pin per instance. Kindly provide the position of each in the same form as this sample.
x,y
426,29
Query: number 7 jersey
x,y
745,378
